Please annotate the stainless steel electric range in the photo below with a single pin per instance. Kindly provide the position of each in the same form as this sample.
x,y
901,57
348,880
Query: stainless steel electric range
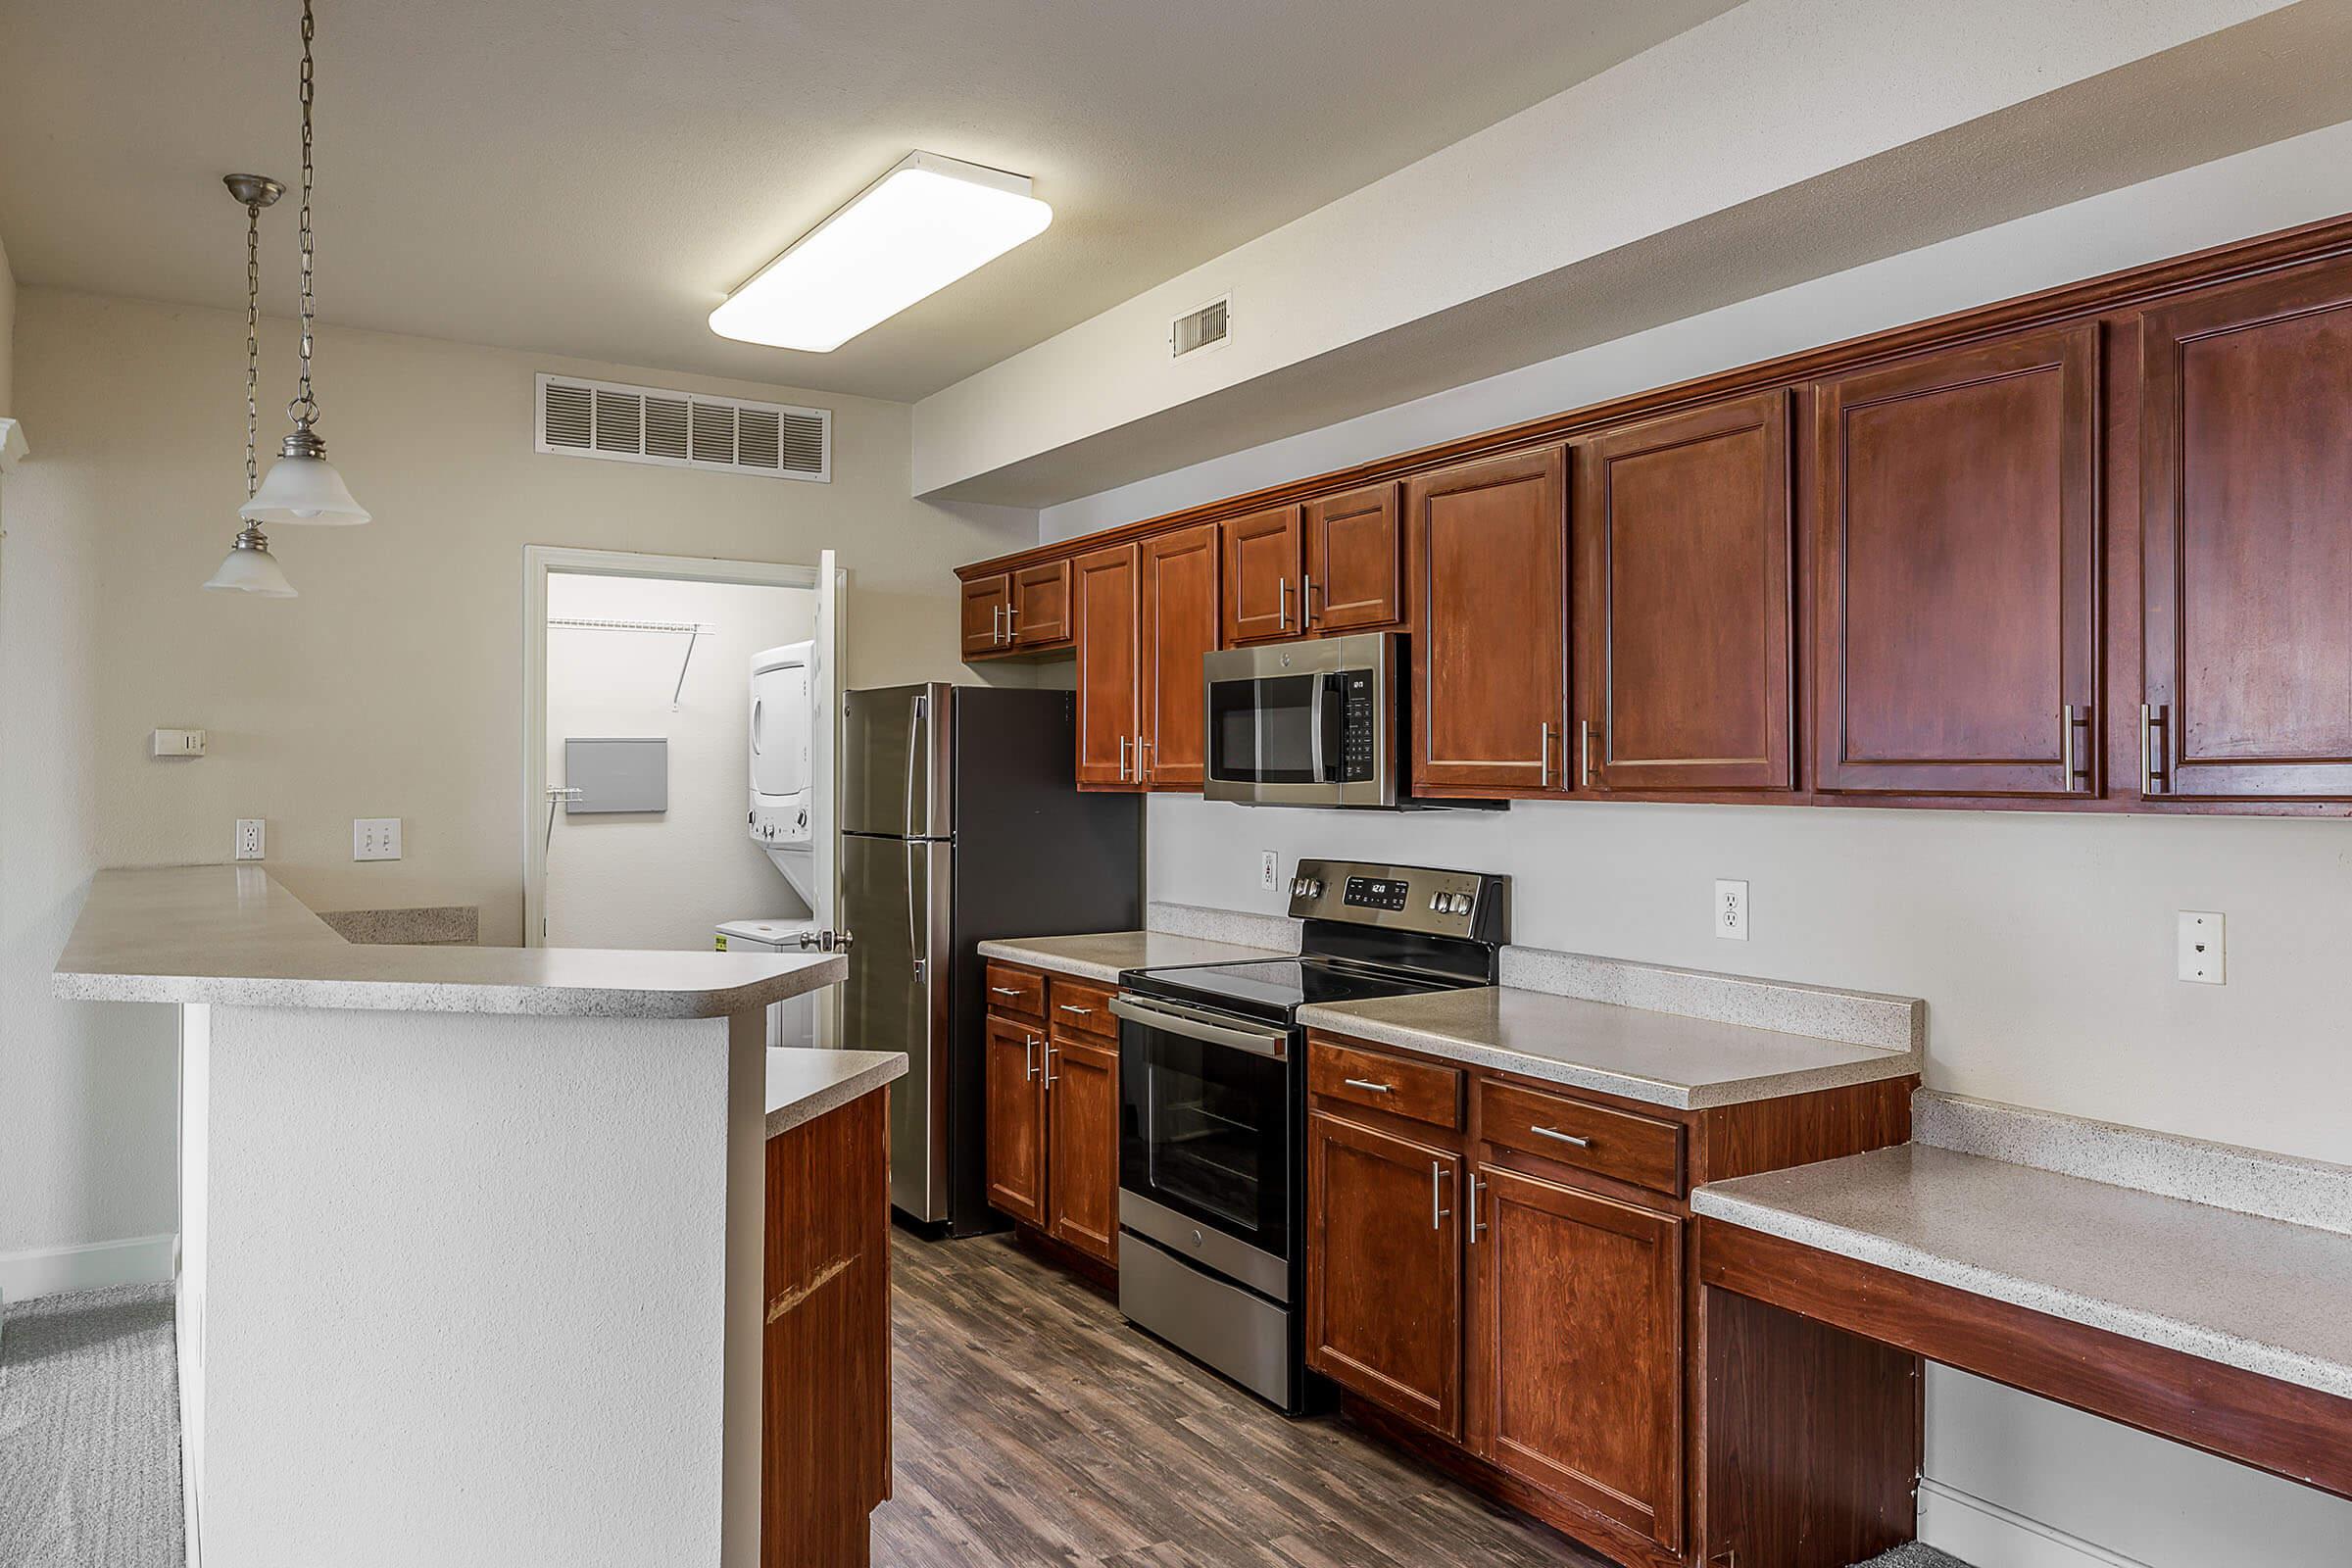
x,y
1212,1087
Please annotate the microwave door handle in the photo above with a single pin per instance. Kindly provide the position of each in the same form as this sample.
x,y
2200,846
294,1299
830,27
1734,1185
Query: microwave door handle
x,y
1314,727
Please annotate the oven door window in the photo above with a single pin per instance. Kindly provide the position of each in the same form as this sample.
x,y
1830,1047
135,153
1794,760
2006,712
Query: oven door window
x,y
1204,1131
1267,731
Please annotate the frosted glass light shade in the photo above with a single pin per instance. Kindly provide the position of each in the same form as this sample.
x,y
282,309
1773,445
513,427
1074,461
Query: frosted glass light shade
x,y
251,570
304,490
911,233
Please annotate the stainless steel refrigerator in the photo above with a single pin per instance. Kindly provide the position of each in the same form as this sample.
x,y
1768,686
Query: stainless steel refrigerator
x,y
960,820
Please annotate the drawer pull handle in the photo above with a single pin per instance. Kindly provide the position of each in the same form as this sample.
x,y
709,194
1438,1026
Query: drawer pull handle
x,y
1006,990
1083,1012
1565,1138
1366,1083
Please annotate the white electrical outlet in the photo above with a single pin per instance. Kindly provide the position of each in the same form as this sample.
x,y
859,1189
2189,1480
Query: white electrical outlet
x,y
2204,948
1731,910
248,838
376,838
1269,870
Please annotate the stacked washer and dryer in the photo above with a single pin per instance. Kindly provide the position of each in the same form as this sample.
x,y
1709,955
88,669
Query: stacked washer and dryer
x,y
782,817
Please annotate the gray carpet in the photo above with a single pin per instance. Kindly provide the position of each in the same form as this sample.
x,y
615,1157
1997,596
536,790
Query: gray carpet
x,y
89,1432
1914,1556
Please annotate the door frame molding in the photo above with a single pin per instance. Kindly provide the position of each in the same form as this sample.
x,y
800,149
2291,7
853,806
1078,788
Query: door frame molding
x,y
539,563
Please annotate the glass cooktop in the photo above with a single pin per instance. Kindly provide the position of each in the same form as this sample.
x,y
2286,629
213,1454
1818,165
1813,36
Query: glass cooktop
x,y
1278,985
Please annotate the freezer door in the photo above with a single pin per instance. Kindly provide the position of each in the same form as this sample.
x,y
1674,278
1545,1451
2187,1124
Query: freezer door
x,y
895,908
893,766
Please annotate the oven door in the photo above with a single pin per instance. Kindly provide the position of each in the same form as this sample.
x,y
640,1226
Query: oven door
x,y
1310,723
1205,1151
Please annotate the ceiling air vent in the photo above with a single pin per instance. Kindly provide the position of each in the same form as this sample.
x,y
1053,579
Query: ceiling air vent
x,y
683,430
1198,330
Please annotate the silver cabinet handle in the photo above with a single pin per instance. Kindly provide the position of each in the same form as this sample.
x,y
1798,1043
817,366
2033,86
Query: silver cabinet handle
x,y
995,625
1029,1057
1477,1187
1006,990
1051,1078
1436,1196
1543,780
2152,719
1584,752
1282,606
1306,599
1125,741
1565,1138
1083,1012
2070,750
1366,1083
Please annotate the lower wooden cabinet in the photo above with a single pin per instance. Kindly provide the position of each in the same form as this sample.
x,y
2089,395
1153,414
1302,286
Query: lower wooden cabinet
x,y
1052,1095
1384,1301
1575,1347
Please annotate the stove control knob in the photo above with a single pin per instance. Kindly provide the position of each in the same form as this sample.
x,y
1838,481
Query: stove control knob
x,y
1457,904
1314,887
1437,903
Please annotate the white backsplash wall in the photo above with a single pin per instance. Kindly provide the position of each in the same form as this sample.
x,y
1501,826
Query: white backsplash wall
x,y
662,881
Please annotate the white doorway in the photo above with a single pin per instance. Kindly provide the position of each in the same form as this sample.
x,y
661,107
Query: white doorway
x,y
638,685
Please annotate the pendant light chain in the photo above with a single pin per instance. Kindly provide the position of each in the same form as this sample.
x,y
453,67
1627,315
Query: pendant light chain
x,y
253,344
304,409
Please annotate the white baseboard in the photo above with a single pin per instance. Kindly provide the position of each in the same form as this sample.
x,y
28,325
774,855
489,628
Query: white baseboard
x,y
52,1270
1989,1536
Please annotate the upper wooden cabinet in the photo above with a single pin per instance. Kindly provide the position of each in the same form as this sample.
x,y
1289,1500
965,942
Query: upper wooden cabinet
x,y
1264,558
1955,558
987,601
1682,562
1180,594
1040,609
1489,547
1355,578
2246,505
1108,608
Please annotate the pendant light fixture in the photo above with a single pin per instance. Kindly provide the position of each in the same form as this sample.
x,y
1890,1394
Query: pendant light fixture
x,y
250,568
303,487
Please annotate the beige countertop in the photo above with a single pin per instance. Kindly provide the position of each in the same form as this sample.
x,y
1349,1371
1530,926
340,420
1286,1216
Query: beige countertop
x,y
2229,1285
232,933
1100,957
805,1084
1662,1058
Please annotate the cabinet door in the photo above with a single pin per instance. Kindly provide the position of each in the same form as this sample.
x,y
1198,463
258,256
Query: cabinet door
x,y
1262,576
1041,605
1383,1280
1016,1118
2247,497
1179,625
985,603
1490,583
1955,552
1355,561
1107,613
1576,1347
1682,601
1082,1140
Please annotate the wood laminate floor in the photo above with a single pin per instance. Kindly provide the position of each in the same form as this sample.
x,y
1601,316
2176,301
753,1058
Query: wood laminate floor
x,y
1033,1427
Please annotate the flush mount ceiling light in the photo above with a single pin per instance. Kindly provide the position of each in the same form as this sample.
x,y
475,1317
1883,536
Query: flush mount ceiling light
x,y
250,567
908,235
303,486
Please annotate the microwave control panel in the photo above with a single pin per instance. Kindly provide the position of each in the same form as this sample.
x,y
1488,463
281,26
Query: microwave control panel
x,y
1358,726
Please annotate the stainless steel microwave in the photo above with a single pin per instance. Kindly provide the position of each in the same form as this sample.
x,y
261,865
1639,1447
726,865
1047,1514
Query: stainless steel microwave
x,y
1305,724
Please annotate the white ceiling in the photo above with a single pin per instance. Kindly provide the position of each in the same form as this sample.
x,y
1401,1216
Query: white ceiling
x,y
590,176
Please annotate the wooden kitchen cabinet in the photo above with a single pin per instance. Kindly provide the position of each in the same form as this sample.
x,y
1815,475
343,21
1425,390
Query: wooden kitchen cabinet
x,y
1683,559
1488,545
987,627
1109,613
1014,1072
1957,583
1040,613
1082,1143
2246,546
1179,624
1355,578
1264,558
1576,1347
1384,1303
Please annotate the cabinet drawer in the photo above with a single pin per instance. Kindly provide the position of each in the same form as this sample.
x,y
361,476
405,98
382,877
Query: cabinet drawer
x,y
1611,1142
1019,991
1081,1007
1420,1090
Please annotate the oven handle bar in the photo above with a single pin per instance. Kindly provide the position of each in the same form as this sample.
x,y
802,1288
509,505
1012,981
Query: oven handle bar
x,y
1273,1043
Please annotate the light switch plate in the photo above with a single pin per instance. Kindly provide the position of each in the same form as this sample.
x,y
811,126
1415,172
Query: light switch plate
x,y
2204,948
1731,910
376,838
248,838
1269,870
177,742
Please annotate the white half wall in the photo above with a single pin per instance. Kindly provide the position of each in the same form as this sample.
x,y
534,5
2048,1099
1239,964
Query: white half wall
x,y
662,881
2042,942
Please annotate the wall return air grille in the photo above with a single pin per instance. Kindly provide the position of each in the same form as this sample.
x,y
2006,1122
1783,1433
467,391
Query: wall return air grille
x,y
626,423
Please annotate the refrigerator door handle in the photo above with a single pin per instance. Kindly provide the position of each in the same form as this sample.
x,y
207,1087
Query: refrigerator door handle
x,y
915,729
915,942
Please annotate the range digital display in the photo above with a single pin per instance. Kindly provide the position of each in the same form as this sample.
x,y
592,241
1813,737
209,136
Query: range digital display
x,y
1375,893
